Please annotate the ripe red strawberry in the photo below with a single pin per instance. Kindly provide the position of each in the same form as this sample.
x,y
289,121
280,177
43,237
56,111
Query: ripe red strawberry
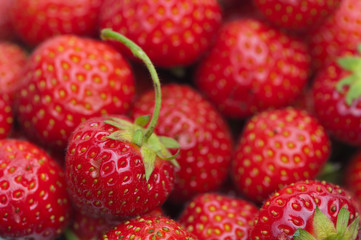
x,y
204,137
147,228
6,116
172,33
34,203
252,67
276,148
211,216
37,20
298,15
12,61
352,176
6,31
307,206
67,80
339,32
337,98
107,172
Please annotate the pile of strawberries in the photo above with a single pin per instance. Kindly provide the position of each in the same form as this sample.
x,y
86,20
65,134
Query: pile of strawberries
x,y
253,133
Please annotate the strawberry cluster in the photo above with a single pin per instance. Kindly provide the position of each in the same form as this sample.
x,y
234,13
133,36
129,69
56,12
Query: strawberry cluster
x,y
180,119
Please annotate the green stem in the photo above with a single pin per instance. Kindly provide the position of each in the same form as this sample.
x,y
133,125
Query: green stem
x,y
69,235
108,34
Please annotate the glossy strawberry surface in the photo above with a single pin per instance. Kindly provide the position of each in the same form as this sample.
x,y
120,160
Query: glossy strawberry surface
x,y
252,67
276,148
37,20
67,80
204,137
172,33
149,228
212,216
34,203
106,177
294,206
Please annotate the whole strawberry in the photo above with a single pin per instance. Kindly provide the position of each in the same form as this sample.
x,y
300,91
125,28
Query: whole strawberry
x,y
276,148
212,216
6,116
252,67
172,33
341,31
203,135
37,20
34,203
12,61
298,15
149,228
337,97
307,210
67,80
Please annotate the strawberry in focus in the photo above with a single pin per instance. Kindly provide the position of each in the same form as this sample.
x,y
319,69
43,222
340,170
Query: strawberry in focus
x,y
276,148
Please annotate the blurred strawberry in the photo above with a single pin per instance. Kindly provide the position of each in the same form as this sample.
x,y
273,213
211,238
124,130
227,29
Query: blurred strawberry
x,y
352,176
6,31
252,67
6,116
172,33
67,80
37,20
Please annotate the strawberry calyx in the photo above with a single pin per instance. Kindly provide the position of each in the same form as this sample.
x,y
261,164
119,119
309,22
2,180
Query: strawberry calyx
x,y
151,145
324,229
353,81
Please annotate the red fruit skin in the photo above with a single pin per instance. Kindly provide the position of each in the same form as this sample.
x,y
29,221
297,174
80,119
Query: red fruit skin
x,y
107,178
293,207
276,148
34,203
148,228
341,120
212,216
68,80
204,137
338,33
37,20
252,67
296,15
12,61
172,33
6,116
6,31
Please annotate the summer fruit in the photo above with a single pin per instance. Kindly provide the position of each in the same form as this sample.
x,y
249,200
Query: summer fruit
x,y
319,208
341,31
67,80
299,15
34,203
276,148
149,228
211,216
337,97
116,168
172,33
6,31
12,61
37,20
252,67
6,116
204,137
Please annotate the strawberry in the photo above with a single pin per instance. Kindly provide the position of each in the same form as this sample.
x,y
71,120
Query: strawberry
x,y
172,33
276,148
213,216
337,97
149,228
12,61
338,33
37,20
307,210
252,67
67,80
299,15
6,116
34,203
6,31
204,137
